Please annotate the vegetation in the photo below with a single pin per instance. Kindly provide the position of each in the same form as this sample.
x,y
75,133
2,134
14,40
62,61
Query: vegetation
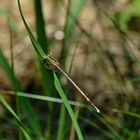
x,y
97,44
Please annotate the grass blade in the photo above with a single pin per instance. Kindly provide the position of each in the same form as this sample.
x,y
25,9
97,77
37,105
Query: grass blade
x,y
35,43
61,124
96,126
5,66
47,78
24,103
22,127
40,26
73,10
132,114
39,97
68,107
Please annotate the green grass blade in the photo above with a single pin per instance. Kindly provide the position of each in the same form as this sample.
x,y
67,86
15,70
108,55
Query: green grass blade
x,y
42,39
37,47
22,127
24,103
132,114
35,43
103,121
5,66
106,123
40,26
61,124
39,97
68,107
73,12
13,73
47,78
48,86
96,126
31,116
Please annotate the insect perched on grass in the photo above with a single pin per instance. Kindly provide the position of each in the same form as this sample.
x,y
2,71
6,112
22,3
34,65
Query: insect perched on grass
x,y
53,64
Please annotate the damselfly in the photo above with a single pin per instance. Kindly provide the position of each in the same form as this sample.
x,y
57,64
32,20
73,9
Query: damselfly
x,y
53,65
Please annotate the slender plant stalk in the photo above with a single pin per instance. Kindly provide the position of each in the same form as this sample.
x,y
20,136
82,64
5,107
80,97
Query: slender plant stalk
x,y
12,69
76,112
53,64
40,97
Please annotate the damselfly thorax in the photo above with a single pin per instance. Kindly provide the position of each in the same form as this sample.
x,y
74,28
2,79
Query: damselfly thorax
x,y
50,62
